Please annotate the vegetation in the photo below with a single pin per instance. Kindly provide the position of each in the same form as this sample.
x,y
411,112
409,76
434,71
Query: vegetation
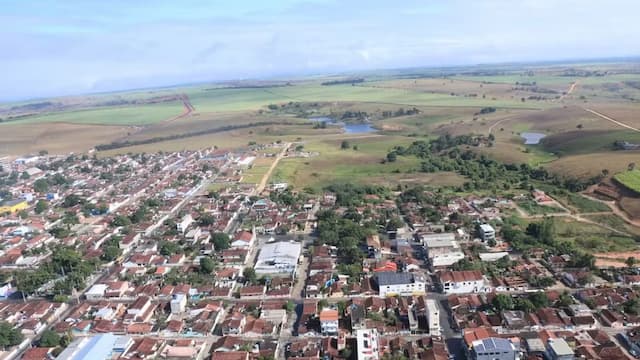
x,y
630,179
9,336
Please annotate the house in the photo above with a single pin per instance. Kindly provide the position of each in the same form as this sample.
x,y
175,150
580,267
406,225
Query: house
x,y
12,206
243,240
184,223
442,249
96,292
433,317
559,349
329,321
368,344
493,348
461,282
486,232
403,284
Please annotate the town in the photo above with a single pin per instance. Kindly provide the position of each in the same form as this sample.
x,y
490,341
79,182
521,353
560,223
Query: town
x,y
171,256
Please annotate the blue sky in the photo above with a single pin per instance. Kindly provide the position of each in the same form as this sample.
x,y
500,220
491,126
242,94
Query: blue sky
x,y
58,47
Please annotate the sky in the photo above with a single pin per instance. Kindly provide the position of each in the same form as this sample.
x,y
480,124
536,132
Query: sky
x,y
62,47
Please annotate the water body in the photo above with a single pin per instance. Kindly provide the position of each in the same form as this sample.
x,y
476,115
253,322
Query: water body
x,y
348,128
531,138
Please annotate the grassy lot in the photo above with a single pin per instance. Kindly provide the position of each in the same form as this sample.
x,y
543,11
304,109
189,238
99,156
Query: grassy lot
x,y
533,208
592,237
630,179
335,165
126,115
254,174
582,204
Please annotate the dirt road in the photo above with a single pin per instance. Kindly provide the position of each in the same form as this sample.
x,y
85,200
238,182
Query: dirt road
x,y
267,175
603,116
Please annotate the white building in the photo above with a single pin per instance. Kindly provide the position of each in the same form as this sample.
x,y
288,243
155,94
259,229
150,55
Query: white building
x,y
487,232
96,292
278,258
184,223
433,317
329,319
367,343
462,282
442,249
403,284
178,303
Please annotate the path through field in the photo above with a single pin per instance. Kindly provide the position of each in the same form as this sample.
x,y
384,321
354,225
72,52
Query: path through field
x,y
267,175
569,91
612,120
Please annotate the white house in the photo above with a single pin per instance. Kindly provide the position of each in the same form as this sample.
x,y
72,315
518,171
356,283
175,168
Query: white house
x,y
278,258
403,284
329,321
96,292
462,282
487,232
184,223
433,317
367,344
442,249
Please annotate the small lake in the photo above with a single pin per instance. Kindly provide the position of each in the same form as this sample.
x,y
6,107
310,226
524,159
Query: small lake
x,y
531,138
348,128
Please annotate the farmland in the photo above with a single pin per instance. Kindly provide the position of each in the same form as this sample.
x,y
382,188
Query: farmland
x,y
550,100
630,179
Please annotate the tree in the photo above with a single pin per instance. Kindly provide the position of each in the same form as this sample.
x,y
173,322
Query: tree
x,y
207,266
392,156
70,219
168,248
49,339
345,145
9,336
631,261
25,175
41,206
502,302
110,253
249,275
631,166
221,241
40,185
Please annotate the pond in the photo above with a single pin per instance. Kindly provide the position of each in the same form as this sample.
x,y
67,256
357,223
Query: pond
x,y
348,128
531,138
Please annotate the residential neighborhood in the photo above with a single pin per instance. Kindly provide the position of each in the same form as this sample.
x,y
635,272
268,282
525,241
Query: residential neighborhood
x,y
172,256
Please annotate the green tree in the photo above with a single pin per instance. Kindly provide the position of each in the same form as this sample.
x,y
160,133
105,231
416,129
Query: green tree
x,y
110,253
220,241
207,266
25,175
345,145
392,156
49,338
9,336
41,206
40,185
249,275
631,261
70,219
502,302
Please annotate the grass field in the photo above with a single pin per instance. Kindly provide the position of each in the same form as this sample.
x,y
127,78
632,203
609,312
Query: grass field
x,y
533,208
335,165
592,238
126,115
258,169
630,179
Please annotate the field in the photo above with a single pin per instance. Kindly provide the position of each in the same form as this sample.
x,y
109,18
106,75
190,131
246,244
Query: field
x,y
533,208
593,238
630,179
126,115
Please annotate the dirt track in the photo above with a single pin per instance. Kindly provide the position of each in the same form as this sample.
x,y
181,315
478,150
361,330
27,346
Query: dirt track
x,y
612,120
